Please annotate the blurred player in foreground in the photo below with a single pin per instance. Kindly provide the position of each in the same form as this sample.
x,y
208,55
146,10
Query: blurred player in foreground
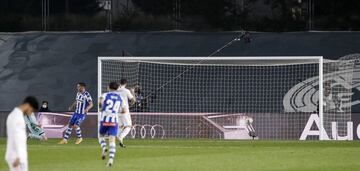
x,y
16,148
125,118
83,104
35,130
111,105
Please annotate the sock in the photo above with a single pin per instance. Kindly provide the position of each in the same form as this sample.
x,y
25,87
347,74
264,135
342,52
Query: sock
x,y
102,143
67,133
78,132
112,151
124,132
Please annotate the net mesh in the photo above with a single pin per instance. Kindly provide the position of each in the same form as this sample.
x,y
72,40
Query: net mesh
x,y
338,78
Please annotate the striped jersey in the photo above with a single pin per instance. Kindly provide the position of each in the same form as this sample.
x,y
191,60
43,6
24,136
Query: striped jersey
x,y
82,102
111,107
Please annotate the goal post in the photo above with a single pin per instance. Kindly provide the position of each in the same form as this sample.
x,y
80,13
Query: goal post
x,y
231,97
321,99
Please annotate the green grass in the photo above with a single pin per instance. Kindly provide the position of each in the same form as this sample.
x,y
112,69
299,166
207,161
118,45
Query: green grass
x,y
198,155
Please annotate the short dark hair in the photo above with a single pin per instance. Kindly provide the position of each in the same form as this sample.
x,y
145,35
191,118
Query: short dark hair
x,y
82,84
123,81
32,101
113,85
45,102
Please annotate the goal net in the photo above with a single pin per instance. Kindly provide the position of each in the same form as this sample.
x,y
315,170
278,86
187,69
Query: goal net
x,y
234,97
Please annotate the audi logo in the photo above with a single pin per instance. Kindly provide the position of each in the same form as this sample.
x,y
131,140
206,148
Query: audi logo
x,y
154,130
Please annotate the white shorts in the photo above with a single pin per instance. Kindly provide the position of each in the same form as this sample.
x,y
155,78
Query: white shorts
x,y
22,167
125,119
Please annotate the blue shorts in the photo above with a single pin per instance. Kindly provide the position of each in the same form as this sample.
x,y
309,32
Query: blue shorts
x,y
108,130
77,119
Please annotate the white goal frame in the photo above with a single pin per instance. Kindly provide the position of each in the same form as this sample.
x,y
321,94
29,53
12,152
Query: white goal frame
x,y
319,59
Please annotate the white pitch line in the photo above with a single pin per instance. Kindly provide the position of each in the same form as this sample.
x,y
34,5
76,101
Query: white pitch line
x,y
149,146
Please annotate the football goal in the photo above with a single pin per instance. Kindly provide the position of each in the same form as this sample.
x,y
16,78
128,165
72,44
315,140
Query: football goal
x,y
285,98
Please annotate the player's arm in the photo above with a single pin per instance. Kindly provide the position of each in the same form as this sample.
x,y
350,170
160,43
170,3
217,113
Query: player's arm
x,y
72,105
91,104
131,97
132,101
101,99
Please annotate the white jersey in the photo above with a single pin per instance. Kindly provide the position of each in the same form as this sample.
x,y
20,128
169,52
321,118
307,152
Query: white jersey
x,y
125,96
16,137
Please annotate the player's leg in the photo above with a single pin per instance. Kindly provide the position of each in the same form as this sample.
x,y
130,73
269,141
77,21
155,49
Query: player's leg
x,y
66,134
112,150
69,129
78,129
103,147
127,125
102,142
78,134
112,131
125,131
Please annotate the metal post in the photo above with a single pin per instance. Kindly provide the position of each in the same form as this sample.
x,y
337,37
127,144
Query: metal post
x,y
312,14
108,9
42,14
48,14
310,8
111,13
99,75
321,99
45,13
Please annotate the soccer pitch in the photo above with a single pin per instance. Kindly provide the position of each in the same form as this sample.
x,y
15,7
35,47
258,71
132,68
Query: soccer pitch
x,y
180,155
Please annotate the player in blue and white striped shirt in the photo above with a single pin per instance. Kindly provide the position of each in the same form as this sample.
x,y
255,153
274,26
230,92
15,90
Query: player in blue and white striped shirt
x,y
111,106
83,104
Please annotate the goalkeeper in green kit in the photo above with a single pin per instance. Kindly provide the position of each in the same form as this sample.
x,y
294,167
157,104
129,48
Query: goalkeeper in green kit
x,y
35,130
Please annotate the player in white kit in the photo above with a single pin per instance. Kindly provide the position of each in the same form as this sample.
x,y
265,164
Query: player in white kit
x,y
125,118
16,149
